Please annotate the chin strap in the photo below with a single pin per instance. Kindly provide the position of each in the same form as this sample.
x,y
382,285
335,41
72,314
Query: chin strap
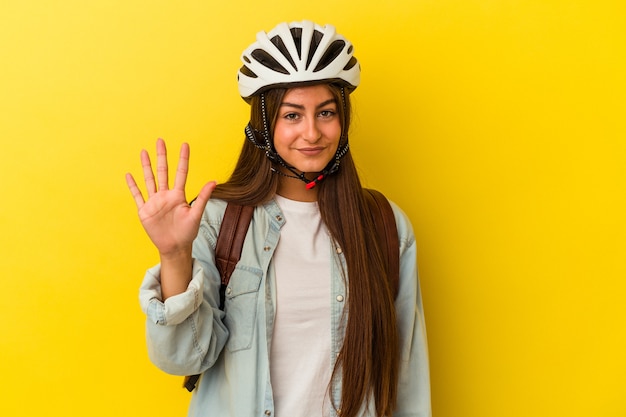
x,y
331,168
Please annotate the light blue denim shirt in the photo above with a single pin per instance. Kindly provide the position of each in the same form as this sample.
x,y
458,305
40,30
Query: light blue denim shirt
x,y
188,334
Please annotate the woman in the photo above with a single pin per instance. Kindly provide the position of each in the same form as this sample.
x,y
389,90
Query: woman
x,y
311,325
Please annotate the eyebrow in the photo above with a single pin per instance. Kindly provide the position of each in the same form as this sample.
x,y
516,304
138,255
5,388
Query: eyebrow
x,y
301,107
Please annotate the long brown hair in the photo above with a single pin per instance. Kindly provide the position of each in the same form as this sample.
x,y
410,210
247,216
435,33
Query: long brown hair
x,y
369,358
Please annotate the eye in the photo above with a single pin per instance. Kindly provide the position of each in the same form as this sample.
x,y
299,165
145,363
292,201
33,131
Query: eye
x,y
291,116
327,114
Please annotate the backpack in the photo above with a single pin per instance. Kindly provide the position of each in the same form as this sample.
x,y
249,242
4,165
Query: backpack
x,y
235,227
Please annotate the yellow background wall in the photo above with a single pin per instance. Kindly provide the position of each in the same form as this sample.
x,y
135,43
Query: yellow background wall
x,y
499,126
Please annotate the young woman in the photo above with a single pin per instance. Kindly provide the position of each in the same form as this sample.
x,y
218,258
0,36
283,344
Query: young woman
x,y
311,325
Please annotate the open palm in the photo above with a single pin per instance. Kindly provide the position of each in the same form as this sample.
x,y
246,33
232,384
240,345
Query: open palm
x,y
170,222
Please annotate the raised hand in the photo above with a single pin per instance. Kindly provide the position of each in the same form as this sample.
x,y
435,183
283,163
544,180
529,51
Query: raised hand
x,y
170,222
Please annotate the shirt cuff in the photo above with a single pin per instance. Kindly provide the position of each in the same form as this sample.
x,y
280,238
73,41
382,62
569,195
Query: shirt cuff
x,y
176,308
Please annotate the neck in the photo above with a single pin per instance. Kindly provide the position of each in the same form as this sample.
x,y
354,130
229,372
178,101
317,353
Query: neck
x,y
295,189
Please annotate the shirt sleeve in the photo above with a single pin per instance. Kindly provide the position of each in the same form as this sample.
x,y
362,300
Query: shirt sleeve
x,y
414,379
176,308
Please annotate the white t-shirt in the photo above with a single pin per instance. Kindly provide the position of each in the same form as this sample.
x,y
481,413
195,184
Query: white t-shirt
x,y
300,353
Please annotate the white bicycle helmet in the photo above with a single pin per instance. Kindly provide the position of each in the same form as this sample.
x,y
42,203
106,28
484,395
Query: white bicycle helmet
x,y
294,54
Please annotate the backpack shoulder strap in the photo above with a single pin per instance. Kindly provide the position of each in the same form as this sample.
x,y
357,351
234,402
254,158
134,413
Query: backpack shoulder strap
x,y
387,231
230,242
227,253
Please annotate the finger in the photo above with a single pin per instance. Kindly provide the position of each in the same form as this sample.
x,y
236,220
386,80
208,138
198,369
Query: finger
x,y
183,168
203,197
134,190
162,165
148,175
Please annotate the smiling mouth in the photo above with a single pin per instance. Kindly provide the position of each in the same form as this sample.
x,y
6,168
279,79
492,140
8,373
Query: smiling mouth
x,y
311,151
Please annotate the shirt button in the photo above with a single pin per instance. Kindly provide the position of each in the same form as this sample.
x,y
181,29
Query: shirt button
x,y
339,250
229,290
340,298
279,218
266,249
268,413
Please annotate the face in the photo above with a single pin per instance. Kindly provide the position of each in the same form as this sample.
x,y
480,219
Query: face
x,y
307,128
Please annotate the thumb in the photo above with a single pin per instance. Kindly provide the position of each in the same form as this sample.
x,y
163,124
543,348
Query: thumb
x,y
204,196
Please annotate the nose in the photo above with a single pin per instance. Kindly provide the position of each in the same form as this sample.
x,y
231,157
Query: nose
x,y
311,132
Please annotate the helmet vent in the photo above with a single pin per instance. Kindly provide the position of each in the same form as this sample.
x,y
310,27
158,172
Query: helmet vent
x,y
247,72
280,45
350,64
268,61
315,41
296,34
332,52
